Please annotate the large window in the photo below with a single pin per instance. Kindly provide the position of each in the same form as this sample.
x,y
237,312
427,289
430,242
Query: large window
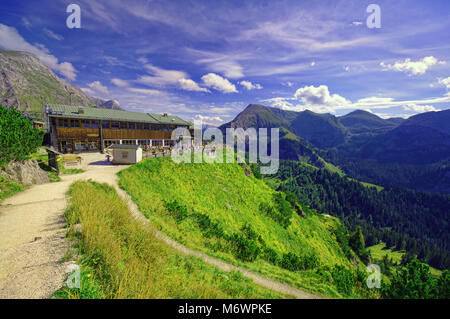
x,y
138,126
123,125
146,126
131,126
105,124
95,124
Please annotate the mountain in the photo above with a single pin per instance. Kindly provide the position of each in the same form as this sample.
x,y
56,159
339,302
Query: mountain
x,y
107,104
359,122
421,139
322,130
412,153
26,83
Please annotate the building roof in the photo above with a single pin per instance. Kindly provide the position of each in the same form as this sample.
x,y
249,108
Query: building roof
x,y
124,146
72,111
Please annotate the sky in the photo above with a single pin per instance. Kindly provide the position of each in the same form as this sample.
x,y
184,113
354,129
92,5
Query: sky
x,y
209,59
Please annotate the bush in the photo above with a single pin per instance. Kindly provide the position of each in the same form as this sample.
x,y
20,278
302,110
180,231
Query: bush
x,y
343,279
281,213
411,282
178,211
18,138
291,261
244,248
209,227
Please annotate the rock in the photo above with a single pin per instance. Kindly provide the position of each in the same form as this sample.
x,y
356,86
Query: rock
x,y
27,172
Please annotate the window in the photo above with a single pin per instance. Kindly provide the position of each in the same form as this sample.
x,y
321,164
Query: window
x,y
131,126
74,123
105,124
115,125
123,125
86,123
146,126
63,123
94,124
138,126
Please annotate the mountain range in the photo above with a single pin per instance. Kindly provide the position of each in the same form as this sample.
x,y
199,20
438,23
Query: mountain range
x,y
26,84
364,145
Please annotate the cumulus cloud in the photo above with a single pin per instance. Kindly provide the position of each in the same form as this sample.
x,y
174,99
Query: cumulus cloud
x,y
219,83
319,99
10,39
96,86
311,95
49,33
250,86
412,67
190,85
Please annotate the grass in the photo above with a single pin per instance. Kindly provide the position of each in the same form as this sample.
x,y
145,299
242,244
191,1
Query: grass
x,y
8,188
378,251
121,258
230,200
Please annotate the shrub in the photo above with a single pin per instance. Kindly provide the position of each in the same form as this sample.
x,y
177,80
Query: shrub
x,y
244,248
281,212
209,227
18,138
343,279
178,211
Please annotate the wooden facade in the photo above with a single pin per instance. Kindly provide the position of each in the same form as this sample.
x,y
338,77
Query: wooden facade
x,y
73,134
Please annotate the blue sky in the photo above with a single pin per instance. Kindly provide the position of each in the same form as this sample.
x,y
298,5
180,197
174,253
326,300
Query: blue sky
x,y
209,59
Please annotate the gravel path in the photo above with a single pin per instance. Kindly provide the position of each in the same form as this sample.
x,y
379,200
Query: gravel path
x,y
33,241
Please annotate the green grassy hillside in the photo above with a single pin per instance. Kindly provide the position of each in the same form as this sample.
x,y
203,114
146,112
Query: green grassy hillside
x,y
121,258
226,213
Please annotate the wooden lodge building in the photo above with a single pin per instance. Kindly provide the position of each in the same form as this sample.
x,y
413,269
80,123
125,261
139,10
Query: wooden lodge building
x,y
78,129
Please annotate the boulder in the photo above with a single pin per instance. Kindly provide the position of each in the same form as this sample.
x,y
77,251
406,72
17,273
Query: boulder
x,y
27,172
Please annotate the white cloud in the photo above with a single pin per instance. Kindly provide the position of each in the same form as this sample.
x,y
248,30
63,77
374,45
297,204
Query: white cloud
x,y
53,35
219,83
190,85
98,87
119,82
319,99
311,95
313,63
445,82
209,120
161,77
419,108
26,22
250,86
149,92
357,23
412,67
10,39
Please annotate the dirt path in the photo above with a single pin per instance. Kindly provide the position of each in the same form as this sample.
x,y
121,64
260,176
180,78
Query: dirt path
x,y
33,242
